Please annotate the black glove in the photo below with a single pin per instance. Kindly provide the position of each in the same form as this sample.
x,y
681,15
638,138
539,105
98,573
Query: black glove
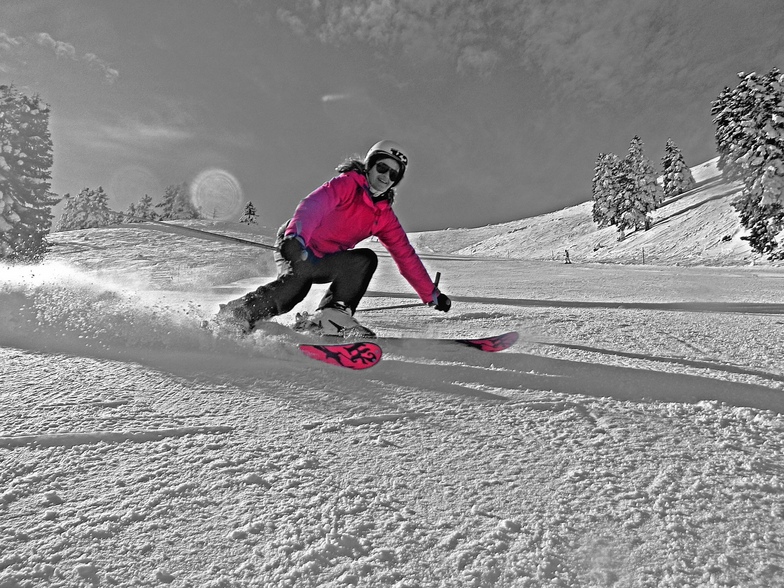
x,y
293,249
442,302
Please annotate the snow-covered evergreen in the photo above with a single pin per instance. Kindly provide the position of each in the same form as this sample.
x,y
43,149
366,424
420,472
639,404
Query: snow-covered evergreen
x,y
141,211
25,170
647,194
677,177
86,210
249,215
605,189
177,203
750,140
625,191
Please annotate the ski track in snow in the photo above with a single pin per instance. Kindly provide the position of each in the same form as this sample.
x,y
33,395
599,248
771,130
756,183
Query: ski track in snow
x,y
612,446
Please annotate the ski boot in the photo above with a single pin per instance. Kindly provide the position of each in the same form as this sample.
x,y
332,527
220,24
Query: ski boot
x,y
334,320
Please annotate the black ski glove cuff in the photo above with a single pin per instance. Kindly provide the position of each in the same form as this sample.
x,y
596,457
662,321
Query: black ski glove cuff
x,y
442,302
293,250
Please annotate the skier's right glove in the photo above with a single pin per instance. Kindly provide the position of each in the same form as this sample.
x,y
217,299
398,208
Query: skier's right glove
x,y
441,302
293,249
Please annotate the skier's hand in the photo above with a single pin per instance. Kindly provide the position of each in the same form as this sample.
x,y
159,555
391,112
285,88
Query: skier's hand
x,y
441,302
293,249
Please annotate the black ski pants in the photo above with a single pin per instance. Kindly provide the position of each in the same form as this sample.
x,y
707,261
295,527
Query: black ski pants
x,y
347,272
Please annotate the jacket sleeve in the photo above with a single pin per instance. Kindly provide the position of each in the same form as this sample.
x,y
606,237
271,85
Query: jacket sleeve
x,y
315,206
395,240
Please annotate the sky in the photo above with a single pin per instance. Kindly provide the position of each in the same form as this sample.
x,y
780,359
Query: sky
x,y
503,106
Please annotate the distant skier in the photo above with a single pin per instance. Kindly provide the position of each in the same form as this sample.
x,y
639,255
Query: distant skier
x,y
316,247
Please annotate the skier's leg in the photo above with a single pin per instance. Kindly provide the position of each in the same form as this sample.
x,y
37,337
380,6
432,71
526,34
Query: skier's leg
x,y
350,273
272,299
277,297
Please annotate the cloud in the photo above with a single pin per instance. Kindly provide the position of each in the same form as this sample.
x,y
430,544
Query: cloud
x,y
293,21
139,133
67,50
9,46
605,49
10,43
60,48
336,97
123,138
595,50
110,74
475,59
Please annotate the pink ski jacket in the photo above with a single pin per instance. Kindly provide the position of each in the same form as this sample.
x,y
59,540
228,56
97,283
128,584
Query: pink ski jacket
x,y
341,213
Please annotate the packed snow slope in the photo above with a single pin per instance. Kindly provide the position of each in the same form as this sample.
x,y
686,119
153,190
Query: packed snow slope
x,y
698,227
632,438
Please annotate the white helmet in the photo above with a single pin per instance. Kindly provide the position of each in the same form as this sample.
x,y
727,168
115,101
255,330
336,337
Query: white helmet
x,y
388,149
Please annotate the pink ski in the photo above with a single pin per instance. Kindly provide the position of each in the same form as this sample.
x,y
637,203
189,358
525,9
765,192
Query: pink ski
x,y
355,356
492,344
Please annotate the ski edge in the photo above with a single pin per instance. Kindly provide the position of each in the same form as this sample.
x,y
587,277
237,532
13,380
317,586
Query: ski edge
x,y
491,344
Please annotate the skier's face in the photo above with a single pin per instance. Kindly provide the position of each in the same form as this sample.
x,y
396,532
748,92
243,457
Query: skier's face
x,y
379,175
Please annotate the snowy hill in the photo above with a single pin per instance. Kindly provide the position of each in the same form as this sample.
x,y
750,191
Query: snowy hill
x,y
696,228
632,437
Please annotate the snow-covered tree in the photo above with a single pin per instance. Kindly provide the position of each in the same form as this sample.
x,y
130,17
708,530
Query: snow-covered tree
x,y
177,203
677,177
86,210
141,211
249,215
648,194
25,170
605,189
750,140
625,191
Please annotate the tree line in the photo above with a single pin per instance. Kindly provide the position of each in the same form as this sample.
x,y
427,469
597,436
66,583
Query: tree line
x,y
749,135
626,191
90,209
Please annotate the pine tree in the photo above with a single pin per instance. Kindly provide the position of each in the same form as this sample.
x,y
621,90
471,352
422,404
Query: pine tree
x,y
249,216
25,170
145,208
167,204
88,209
177,203
605,189
677,175
625,200
750,140
625,190
648,195
141,211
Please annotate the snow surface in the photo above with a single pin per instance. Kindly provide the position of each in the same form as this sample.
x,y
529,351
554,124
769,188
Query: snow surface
x,y
633,437
698,227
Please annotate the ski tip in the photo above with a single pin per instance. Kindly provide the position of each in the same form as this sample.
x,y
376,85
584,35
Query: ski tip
x,y
355,356
492,344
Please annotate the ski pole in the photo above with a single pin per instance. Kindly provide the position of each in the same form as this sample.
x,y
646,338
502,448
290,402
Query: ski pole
x,y
396,306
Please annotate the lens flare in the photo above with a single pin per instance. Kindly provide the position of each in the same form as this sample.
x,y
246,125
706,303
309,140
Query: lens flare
x,y
217,194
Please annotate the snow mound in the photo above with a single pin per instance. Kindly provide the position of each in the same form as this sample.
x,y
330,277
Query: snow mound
x,y
59,308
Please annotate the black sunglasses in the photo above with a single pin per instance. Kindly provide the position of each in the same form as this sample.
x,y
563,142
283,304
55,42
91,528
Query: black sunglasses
x,y
383,168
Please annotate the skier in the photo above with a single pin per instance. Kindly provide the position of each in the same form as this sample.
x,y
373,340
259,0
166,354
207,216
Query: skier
x,y
316,246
